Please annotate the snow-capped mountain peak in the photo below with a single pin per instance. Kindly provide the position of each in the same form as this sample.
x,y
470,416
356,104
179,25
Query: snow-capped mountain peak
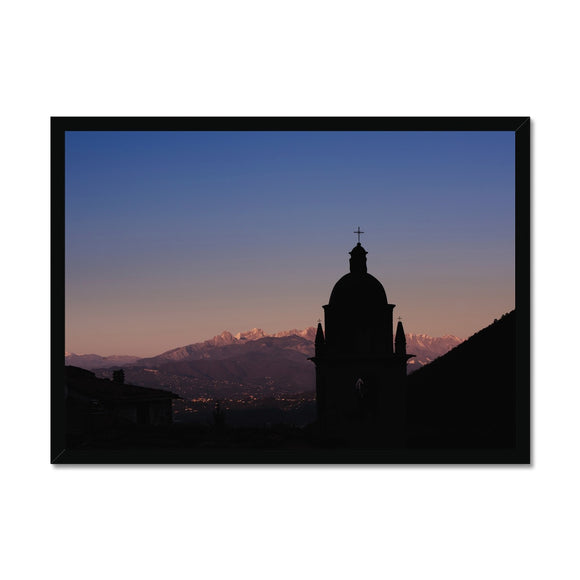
x,y
254,334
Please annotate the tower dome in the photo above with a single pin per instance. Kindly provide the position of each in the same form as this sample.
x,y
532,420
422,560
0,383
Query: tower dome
x,y
358,287
354,289
358,317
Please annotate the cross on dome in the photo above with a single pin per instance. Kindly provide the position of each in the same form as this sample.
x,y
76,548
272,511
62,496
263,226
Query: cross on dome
x,y
358,232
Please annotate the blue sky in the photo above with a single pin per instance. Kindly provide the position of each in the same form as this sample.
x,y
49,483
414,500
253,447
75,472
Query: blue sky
x,y
172,237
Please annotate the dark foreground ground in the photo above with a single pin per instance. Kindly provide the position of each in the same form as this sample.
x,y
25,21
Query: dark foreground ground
x,y
272,428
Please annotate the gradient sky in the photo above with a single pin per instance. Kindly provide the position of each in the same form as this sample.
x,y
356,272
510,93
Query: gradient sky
x,y
173,237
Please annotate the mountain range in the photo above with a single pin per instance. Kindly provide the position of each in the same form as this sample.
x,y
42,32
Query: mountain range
x,y
253,363
425,348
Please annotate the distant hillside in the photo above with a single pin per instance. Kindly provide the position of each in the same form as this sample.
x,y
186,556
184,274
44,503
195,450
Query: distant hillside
x,y
279,362
466,397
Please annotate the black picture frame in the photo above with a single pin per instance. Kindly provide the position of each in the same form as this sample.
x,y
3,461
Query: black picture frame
x,y
520,453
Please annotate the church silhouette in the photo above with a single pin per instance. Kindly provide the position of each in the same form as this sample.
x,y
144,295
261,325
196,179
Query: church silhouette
x,y
360,370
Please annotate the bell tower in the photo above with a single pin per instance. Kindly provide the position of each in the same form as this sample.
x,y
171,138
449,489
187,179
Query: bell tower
x,y
360,371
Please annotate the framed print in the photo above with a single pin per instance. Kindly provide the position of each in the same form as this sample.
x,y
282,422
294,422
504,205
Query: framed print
x,y
291,290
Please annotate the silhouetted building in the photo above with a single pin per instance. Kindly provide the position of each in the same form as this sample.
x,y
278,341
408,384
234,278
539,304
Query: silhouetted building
x,y
360,377
94,405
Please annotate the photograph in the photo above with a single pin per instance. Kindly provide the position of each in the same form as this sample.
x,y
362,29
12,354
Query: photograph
x,y
306,290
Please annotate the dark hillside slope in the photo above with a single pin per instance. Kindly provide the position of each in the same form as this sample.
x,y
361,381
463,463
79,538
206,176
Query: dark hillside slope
x,y
466,398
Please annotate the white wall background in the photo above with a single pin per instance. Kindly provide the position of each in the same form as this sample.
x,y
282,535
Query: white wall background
x,y
280,58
